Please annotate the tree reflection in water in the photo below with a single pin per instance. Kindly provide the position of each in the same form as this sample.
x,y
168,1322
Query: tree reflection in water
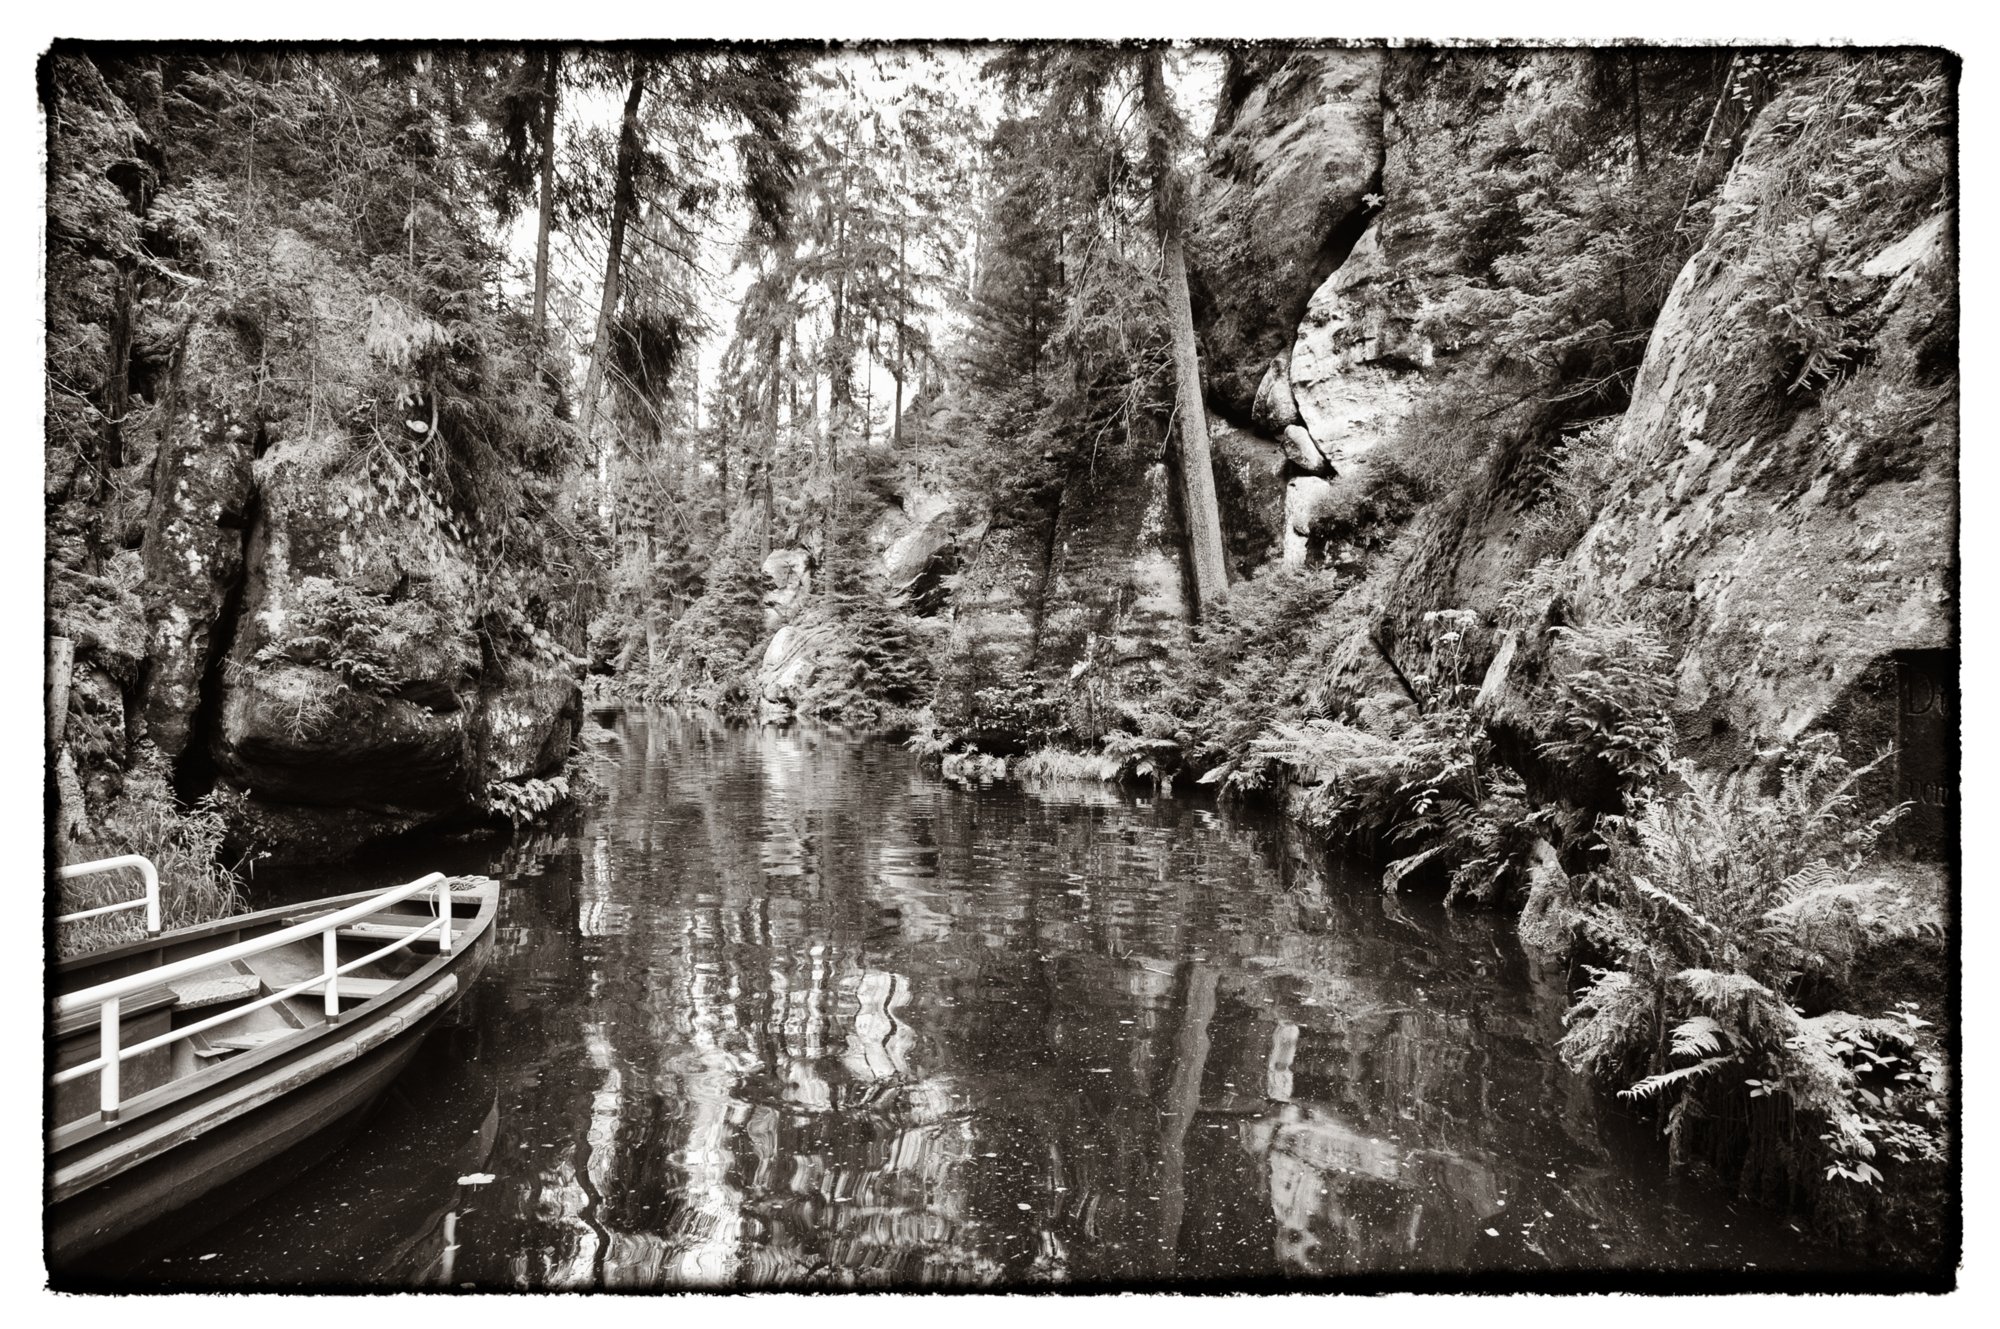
x,y
787,1011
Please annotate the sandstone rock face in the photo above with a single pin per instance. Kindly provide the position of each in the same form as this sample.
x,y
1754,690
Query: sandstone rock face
x,y
194,559
1305,497
1797,549
1114,591
1092,582
411,725
1284,182
1353,367
1250,495
999,600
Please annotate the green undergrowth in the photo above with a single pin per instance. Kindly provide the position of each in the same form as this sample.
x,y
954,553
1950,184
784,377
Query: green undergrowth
x,y
184,843
1732,924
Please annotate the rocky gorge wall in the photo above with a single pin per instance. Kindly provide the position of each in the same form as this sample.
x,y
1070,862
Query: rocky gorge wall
x,y
1793,539
246,600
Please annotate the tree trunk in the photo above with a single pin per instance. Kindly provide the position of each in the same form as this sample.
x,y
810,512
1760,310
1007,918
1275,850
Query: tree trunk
x,y
1204,524
840,390
621,209
902,319
792,381
868,384
1638,127
771,434
545,215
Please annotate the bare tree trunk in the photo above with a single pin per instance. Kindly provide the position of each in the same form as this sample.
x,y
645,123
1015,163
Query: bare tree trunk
x,y
62,660
621,209
902,318
771,434
546,215
1204,524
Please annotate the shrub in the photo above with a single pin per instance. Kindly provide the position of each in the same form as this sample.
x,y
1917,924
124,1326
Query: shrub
x,y
372,642
708,655
1724,910
1577,476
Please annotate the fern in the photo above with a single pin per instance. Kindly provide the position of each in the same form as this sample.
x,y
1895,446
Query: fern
x,y
1717,901
1652,1085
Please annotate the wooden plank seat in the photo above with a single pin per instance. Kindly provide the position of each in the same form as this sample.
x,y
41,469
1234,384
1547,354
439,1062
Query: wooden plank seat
x,y
382,930
354,989
251,1038
377,930
194,993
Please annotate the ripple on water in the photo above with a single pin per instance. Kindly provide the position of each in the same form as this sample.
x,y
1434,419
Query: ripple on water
x,y
784,1010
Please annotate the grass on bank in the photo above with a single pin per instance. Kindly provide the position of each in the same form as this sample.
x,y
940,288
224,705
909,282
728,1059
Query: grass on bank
x,y
185,845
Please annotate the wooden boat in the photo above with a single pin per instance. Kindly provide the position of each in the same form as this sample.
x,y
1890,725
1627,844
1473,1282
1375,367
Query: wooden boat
x,y
230,1049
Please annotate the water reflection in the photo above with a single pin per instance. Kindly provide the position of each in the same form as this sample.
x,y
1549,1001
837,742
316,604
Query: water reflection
x,y
785,1010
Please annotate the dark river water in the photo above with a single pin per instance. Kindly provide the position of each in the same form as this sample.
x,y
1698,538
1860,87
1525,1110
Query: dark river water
x,y
783,1009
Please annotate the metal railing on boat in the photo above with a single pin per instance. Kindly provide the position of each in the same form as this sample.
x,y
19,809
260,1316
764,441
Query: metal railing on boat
x,y
150,901
106,996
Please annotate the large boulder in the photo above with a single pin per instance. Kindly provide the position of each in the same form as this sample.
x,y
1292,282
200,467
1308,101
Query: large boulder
x,y
791,662
1275,409
1354,368
1298,147
1249,494
1300,450
923,552
358,698
1306,498
790,573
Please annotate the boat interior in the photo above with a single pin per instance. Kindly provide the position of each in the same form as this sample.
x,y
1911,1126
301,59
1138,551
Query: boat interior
x,y
199,997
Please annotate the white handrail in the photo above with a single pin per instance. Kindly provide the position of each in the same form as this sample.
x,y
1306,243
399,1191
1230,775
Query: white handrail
x,y
106,996
150,900
242,950
318,980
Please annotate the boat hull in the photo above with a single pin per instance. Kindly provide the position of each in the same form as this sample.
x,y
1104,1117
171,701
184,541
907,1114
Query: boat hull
x,y
137,1174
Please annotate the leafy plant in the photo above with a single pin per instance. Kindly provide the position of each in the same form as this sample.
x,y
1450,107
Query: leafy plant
x,y
524,801
1606,701
1723,909
371,642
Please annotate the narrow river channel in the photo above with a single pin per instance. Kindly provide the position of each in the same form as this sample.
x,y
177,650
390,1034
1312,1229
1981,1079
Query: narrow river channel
x,y
785,1009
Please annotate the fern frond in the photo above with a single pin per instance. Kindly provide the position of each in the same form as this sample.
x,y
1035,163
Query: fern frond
x,y
1653,1084
1699,1036
1667,898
